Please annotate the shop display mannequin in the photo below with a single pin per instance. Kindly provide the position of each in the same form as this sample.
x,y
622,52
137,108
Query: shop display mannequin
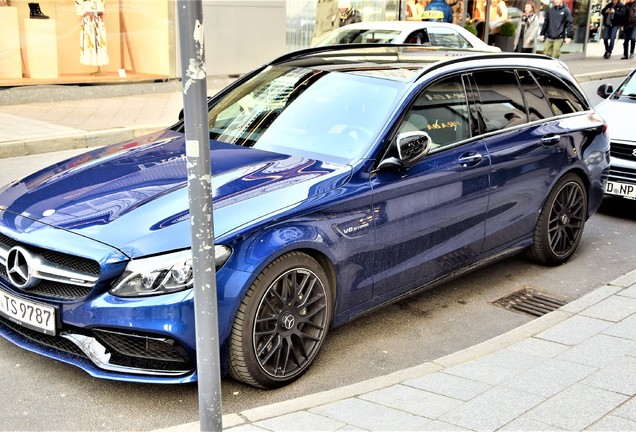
x,y
93,46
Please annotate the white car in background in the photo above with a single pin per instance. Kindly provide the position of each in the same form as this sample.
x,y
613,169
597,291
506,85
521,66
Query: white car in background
x,y
426,33
619,111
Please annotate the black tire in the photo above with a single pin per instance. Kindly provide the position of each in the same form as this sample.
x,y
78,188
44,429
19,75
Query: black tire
x,y
281,322
560,225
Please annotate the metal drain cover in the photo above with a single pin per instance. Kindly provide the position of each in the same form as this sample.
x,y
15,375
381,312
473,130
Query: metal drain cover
x,y
529,301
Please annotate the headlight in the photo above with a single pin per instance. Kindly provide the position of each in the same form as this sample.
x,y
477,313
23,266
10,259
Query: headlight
x,y
162,274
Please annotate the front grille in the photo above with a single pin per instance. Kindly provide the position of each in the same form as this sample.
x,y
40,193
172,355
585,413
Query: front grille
x,y
622,174
55,342
69,289
622,151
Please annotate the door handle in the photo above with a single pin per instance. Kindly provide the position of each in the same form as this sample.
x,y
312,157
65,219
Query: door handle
x,y
470,159
551,139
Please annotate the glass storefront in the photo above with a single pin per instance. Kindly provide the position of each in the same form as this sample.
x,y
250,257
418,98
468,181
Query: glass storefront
x,y
87,41
78,41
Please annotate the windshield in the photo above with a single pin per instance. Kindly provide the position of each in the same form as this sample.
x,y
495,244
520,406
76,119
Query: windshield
x,y
328,116
359,36
628,88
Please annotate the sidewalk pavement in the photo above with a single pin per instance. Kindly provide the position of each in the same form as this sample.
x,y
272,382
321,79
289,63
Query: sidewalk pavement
x,y
572,369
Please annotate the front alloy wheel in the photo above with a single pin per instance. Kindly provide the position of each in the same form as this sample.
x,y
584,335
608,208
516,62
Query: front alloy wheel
x,y
281,323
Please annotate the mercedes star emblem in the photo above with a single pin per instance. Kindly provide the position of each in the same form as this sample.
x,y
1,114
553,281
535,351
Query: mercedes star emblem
x,y
18,261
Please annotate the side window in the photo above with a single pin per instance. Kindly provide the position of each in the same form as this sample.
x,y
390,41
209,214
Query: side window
x,y
561,98
441,111
501,101
447,38
538,106
418,37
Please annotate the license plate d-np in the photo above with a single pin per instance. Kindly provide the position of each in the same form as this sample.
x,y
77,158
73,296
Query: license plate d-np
x,y
622,189
36,316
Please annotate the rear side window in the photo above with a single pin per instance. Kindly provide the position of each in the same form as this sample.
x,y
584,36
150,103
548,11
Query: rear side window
x,y
502,103
538,105
561,98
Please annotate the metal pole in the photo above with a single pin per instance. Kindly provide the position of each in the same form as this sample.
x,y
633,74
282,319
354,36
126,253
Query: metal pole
x,y
191,41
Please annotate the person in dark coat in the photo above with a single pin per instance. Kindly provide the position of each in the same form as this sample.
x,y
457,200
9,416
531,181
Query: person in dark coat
x,y
629,33
347,14
613,18
556,29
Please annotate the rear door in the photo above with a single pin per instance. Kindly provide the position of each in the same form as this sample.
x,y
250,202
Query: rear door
x,y
526,143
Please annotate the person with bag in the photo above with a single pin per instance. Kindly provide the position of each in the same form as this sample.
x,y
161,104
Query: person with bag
x,y
613,15
556,29
629,34
527,30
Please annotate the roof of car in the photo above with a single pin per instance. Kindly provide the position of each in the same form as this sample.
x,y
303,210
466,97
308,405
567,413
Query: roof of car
x,y
407,62
396,25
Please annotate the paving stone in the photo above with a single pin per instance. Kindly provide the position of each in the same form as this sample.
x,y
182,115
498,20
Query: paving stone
x,y
627,410
437,425
539,347
550,377
449,385
631,291
576,407
483,372
614,308
619,377
599,350
492,410
574,330
420,402
613,423
513,360
371,416
300,421
524,424
624,329
245,428
626,280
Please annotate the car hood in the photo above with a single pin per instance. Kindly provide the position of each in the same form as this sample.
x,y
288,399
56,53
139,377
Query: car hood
x,y
133,196
619,116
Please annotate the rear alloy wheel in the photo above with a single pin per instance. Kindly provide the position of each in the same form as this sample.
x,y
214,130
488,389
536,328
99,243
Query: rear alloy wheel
x,y
281,322
560,225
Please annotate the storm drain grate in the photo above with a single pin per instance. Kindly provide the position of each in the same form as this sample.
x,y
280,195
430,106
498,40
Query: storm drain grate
x,y
529,301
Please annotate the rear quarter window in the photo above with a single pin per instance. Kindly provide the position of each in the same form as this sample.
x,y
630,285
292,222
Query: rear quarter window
x,y
561,98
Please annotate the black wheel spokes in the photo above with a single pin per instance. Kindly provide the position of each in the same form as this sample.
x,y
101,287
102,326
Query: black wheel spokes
x,y
290,323
566,219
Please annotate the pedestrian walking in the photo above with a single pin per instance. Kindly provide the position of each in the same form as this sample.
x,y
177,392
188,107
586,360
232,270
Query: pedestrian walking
x,y
347,14
613,18
527,30
556,29
629,28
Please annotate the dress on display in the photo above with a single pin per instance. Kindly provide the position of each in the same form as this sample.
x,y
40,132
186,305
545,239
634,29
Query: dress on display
x,y
92,32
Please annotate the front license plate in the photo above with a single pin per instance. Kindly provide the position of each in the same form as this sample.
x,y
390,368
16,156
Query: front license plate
x,y
622,189
36,316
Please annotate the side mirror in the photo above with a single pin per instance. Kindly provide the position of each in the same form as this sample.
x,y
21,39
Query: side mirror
x,y
412,146
605,90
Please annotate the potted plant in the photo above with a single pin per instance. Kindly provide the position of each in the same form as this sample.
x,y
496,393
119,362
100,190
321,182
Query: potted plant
x,y
505,38
471,28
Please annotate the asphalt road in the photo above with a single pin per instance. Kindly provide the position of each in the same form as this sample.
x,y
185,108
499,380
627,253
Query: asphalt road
x,y
42,394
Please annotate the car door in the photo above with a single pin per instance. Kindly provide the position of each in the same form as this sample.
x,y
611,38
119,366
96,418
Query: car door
x,y
429,218
526,144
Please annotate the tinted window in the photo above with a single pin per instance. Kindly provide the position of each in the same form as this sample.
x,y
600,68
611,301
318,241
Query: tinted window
x,y
561,98
441,111
502,103
538,106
